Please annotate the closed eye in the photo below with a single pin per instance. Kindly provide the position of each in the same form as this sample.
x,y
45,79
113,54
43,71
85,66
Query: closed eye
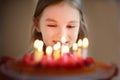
x,y
71,26
52,25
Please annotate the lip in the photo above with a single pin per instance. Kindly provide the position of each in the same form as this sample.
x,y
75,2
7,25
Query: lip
x,y
55,41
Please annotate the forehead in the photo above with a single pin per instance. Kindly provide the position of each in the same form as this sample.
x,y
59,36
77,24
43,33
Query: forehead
x,y
61,12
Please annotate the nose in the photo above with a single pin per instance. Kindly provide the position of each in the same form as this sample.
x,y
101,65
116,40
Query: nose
x,y
62,32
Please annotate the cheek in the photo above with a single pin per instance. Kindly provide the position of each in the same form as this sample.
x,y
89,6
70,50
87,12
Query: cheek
x,y
47,41
73,37
74,34
47,37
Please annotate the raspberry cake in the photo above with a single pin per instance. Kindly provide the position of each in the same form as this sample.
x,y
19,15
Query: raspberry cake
x,y
57,63
89,69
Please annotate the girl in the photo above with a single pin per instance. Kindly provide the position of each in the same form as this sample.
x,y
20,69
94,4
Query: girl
x,y
54,19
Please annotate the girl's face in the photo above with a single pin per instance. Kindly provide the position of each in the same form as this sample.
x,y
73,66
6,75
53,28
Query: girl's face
x,y
57,21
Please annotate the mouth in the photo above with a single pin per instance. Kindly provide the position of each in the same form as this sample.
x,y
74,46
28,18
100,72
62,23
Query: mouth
x,y
55,41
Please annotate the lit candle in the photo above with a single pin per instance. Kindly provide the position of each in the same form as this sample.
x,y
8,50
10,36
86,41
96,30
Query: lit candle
x,y
49,51
63,40
56,49
85,48
65,58
49,58
79,47
38,46
64,49
74,49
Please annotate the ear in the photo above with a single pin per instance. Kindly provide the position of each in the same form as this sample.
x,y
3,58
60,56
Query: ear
x,y
36,25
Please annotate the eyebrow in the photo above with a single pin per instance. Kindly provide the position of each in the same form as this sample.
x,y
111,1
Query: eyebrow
x,y
48,19
52,20
73,21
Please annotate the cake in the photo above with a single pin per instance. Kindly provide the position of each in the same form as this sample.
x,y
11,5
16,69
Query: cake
x,y
17,69
56,64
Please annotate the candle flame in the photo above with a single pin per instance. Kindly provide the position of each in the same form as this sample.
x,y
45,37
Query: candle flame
x,y
63,40
38,44
49,50
56,53
65,49
75,47
85,43
79,43
56,46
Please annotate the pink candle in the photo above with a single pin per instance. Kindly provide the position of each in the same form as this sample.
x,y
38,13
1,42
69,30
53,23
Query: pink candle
x,y
50,60
75,50
65,58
